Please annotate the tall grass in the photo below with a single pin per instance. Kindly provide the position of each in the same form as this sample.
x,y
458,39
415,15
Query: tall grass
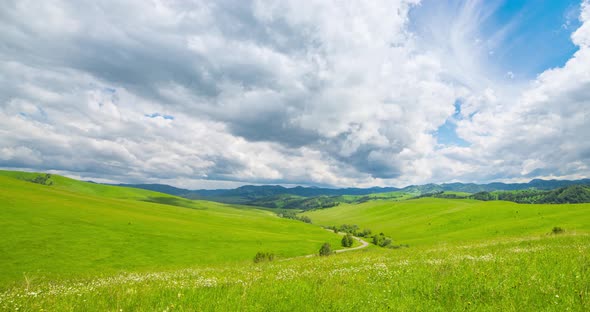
x,y
542,273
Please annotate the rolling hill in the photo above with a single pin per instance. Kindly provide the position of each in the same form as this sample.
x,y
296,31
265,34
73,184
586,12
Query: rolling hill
x,y
54,227
276,196
71,245
564,195
429,221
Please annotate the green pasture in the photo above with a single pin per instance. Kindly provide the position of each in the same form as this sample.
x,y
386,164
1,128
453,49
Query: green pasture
x,y
533,273
428,221
69,245
78,229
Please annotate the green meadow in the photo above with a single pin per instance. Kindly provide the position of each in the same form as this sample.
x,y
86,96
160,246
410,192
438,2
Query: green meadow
x,y
533,273
72,229
428,221
69,245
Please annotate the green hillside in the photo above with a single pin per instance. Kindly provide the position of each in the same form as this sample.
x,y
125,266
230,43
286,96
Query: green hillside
x,y
69,228
71,245
58,182
286,201
428,221
536,273
569,194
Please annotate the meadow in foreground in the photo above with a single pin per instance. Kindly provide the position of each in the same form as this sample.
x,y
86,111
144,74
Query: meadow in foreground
x,y
535,273
71,245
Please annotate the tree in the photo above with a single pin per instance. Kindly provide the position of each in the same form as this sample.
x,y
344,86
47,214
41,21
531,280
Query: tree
x,y
347,240
326,250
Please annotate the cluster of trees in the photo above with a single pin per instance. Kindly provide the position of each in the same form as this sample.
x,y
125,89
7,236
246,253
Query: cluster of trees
x,y
263,256
432,194
449,195
524,196
351,229
570,194
44,179
286,201
485,196
440,194
292,215
320,203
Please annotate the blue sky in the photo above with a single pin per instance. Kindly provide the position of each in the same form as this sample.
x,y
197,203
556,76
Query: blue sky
x,y
537,37
209,94
446,134
540,38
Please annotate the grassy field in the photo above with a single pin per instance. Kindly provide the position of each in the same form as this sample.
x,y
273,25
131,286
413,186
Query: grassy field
x,y
73,229
428,221
69,245
533,273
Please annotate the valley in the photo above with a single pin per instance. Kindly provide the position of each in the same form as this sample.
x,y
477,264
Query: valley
x,y
72,244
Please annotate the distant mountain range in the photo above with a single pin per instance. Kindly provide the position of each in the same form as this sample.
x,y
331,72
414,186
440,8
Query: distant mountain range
x,y
259,191
537,184
253,195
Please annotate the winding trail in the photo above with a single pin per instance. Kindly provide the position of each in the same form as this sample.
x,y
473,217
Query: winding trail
x,y
364,244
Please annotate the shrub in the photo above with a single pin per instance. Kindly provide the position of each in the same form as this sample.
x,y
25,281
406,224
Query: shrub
x,y
263,256
364,233
386,242
44,179
557,230
326,250
305,219
376,240
347,240
382,240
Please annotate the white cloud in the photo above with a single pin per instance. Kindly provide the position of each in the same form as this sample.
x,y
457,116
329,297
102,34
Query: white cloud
x,y
331,93
544,131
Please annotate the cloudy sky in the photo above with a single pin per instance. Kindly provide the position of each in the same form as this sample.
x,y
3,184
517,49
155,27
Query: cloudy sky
x,y
216,94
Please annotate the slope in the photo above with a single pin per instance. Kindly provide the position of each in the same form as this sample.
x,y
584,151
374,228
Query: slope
x,y
276,196
74,229
428,221
90,188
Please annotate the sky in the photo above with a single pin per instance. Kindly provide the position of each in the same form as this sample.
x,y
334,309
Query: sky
x,y
218,94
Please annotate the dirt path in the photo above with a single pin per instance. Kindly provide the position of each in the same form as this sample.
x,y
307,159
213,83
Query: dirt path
x,y
358,239
364,244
